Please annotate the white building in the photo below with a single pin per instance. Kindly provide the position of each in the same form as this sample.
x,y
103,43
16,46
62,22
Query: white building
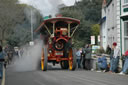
x,y
110,28
103,30
124,25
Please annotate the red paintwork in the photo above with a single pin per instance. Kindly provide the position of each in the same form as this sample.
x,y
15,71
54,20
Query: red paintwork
x,y
58,36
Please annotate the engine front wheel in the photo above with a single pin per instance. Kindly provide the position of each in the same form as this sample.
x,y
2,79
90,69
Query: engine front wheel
x,y
72,59
44,59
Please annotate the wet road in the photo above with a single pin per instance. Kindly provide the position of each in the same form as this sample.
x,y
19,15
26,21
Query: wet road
x,y
57,76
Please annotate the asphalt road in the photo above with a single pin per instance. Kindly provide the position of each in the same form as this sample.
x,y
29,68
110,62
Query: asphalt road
x,y
57,76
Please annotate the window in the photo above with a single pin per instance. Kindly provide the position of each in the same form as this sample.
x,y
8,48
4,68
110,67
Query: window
x,y
125,1
126,44
126,29
125,36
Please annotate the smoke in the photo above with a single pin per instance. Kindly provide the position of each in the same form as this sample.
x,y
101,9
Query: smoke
x,y
31,15
46,7
30,59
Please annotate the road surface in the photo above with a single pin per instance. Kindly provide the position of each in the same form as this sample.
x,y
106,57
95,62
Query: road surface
x,y
57,76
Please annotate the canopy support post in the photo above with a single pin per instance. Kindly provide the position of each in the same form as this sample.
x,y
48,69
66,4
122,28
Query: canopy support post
x,y
68,29
53,29
74,30
47,29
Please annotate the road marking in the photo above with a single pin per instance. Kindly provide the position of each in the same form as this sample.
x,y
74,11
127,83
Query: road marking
x,y
3,79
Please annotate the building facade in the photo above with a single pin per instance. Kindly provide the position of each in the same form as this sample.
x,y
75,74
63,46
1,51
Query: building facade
x,y
110,28
114,24
103,30
124,24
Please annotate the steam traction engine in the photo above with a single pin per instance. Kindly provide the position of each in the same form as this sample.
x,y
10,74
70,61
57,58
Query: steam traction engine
x,y
57,34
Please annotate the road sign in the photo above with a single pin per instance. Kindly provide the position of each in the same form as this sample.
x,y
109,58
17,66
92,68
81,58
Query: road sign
x,y
92,39
98,38
31,43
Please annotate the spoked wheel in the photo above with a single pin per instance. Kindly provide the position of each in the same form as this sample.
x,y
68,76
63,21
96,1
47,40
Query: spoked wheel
x,y
64,64
72,59
44,59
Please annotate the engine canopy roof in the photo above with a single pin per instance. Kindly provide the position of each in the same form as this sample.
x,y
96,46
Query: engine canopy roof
x,y
60,22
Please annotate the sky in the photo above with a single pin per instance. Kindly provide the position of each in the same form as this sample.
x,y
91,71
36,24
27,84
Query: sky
x,y
69,2
47,7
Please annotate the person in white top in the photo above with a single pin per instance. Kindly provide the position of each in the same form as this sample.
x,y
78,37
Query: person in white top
x,y
115,58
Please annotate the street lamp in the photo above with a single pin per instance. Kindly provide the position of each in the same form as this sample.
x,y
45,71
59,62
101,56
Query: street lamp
x,y
31,42
31,25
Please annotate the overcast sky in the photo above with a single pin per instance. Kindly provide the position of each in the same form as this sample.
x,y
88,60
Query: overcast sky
x,y
69,2
47,7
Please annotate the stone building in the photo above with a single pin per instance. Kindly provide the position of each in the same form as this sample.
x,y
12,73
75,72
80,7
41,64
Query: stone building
x,y
124,24
110,23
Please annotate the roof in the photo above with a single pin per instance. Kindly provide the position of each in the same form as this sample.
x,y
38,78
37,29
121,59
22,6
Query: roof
x,y
57,19
62,19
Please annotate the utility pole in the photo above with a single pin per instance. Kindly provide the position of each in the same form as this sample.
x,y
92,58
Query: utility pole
x,y
31,25
31,42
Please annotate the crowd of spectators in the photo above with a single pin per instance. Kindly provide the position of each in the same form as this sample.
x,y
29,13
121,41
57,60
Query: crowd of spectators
x,y
84,60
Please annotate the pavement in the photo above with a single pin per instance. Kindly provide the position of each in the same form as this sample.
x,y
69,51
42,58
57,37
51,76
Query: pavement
x,y
57,76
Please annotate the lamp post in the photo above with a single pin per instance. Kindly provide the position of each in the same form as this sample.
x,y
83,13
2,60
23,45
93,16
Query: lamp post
x,y
31,42
31,25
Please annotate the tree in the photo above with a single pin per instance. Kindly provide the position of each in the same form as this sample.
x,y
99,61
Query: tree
x,y
95,31
21,34
88,12
10,15
15,22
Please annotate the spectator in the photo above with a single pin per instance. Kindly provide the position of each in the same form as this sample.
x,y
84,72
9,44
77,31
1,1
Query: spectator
x,y
111,58
2,59
123,60
114,58
78,54
88,57
108,50
83,56
102,63
125,67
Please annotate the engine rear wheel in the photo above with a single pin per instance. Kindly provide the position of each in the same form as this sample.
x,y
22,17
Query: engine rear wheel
x,y
64,64
72,59
44,59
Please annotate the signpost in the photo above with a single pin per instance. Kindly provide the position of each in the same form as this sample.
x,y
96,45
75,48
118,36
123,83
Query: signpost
x,y
31,43
93,40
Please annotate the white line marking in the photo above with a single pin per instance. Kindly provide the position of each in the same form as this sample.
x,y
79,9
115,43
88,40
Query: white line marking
x,y
3,79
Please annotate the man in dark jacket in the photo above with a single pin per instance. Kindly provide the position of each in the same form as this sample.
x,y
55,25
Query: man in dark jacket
x,y
88,57
83,55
